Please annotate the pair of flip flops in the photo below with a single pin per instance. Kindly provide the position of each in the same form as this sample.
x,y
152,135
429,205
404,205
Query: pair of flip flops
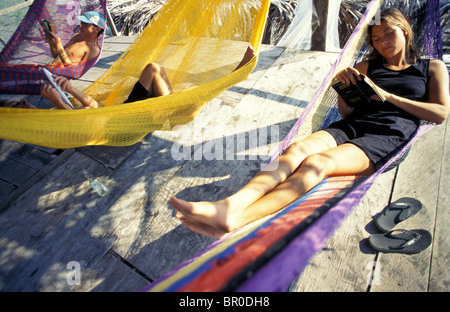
x,y
400,241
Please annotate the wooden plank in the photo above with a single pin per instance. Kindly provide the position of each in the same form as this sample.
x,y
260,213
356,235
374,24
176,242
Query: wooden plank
x,y
75,224
26,154
110,274
120,45
267,57
440,274
145,220
14,8
56,221
126,40
418,177
34,179
6,188
14,172
165,242
271,102
110,156
107,58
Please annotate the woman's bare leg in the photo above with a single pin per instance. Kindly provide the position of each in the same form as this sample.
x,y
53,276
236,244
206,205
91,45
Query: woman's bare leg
x,y
154,79
200,218
221,214
346,159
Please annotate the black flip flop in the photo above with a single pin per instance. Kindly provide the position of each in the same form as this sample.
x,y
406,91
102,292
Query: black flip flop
x,y
401,241
397,212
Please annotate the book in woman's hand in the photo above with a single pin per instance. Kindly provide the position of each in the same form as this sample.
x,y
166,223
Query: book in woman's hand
x,y
359,93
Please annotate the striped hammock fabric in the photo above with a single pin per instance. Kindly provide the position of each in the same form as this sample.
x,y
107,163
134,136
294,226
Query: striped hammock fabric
x,y
26,51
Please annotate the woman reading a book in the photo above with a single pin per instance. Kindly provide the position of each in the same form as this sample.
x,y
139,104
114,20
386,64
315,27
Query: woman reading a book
x,y
366,136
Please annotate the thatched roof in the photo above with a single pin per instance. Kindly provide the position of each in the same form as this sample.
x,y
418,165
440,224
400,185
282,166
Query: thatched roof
x,y
131,16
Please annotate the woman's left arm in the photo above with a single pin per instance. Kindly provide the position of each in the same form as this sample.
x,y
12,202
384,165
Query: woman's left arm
x,y
437,108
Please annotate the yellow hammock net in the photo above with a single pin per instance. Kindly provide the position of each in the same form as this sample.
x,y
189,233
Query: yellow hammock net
x,y
198,42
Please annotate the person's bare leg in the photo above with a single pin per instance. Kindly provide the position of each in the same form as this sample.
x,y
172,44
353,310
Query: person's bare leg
x,y
201,228
346,159
154,79
216,213
312,171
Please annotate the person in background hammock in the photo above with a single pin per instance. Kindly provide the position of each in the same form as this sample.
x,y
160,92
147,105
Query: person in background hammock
x,y
358,144
83,46
153,82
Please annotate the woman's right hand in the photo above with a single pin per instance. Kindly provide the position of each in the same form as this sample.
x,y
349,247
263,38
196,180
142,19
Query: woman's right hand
x,y
349,76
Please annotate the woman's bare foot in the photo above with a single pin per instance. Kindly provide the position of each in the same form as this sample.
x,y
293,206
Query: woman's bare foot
x,y
201,228
208,218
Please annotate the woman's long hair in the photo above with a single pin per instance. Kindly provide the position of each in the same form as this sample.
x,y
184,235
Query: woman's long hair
x,y
394,17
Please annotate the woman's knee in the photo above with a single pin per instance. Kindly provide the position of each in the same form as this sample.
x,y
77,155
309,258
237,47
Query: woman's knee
x,y
298,148
151,70
152,67
301,149
319,164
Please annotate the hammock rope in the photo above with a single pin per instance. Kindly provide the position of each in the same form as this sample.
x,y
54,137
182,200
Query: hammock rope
x,y
199,44
27,51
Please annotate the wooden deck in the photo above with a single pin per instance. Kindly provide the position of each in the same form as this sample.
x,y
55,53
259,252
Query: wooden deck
x,y
54,226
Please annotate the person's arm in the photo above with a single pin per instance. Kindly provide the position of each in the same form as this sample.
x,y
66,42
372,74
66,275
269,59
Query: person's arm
x,y
48,92
56,48
52,41
348,76
84,99
437,108
63,58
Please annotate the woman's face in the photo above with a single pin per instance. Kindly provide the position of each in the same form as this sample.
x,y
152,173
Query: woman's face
x,y
388,40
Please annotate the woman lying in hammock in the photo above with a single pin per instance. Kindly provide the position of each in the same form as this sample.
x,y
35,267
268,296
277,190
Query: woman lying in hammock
x,y
357,145
153,82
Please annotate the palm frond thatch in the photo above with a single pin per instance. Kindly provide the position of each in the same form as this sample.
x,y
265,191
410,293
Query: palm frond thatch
x,y
350,13
131,16
445,25
280,16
